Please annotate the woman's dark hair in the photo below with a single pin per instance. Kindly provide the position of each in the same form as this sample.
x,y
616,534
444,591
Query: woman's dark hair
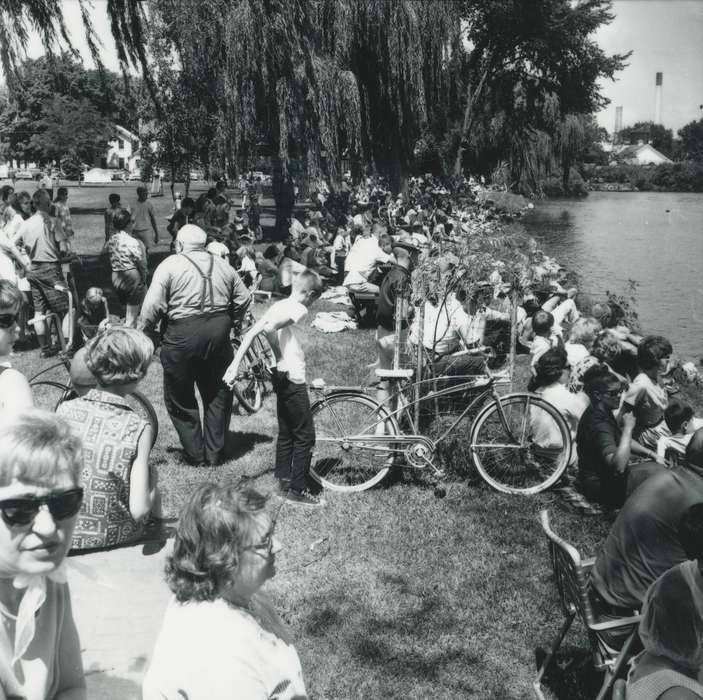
x,y
121,219
652,349
271,252
188,202
598,380
676,414
548,369
15,202
531,307
216,524
6,191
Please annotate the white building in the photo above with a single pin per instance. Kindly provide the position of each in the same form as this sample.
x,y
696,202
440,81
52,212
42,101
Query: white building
x,y
639,154
122,151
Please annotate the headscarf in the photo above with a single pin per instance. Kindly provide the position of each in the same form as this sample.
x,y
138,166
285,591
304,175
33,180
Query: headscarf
x,y
672,618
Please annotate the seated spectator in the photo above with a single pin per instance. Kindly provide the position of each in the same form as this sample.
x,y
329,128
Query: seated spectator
x,y
361,261
268,269
290,266
312,257
659,527
551,373
562,307
671,631
606,474
545,339
646,399
680,419
221,637
92,314
608,351
15,393
247,261
581,338
129,267
40,466
119,490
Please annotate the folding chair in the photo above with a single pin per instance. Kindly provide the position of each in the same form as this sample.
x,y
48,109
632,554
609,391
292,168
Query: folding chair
x,y
572,575
364,304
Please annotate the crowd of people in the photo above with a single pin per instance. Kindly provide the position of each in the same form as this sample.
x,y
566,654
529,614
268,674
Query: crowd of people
x,y
82,479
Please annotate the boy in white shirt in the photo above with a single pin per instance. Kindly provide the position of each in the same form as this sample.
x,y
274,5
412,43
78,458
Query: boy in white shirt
x,y
296,430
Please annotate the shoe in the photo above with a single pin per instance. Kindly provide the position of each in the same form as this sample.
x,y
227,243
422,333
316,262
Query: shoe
x,y
283,484
304,498
49,351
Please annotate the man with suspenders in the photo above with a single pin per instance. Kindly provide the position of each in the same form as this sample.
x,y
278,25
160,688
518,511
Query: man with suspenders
x,y
198,296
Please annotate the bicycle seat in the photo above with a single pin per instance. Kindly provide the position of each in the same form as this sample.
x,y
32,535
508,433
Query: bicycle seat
x,y
395,373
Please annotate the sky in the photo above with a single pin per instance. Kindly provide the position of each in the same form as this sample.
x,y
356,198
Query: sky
x,y
664,35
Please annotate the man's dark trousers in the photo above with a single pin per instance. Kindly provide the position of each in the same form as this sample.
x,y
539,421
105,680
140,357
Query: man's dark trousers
x,y
296,432
196,351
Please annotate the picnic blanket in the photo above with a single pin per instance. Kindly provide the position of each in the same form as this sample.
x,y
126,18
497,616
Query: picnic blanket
x,y
336,295
333,321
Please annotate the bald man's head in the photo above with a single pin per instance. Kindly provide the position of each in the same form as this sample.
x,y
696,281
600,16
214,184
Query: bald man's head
x,y
191,237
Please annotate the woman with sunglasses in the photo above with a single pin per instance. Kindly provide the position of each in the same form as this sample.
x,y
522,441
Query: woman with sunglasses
x,y
40,462
607,472
15,394
221,638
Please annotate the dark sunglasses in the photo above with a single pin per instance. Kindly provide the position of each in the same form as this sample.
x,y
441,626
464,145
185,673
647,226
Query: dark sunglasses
x,y
22,511
9,320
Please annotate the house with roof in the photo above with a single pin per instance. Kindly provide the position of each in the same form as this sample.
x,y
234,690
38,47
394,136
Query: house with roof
x,y
122,151
640,153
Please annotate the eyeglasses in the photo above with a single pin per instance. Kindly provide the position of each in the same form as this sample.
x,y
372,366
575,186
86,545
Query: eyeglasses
x,y
9,320
263,548
22,511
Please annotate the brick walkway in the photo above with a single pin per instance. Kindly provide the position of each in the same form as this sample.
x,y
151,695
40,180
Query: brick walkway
x,y
119,598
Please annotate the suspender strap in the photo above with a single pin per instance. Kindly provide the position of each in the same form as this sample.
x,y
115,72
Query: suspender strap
x,y
207,281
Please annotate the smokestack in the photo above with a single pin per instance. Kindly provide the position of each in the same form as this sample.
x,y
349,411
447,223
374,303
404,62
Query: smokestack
x,y
658,98
618,124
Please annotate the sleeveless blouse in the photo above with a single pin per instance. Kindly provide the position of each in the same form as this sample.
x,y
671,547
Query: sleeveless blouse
x,y
110,431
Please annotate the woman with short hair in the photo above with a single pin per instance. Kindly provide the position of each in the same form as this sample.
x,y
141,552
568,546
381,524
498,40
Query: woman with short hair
x,y
40,464
15,393
221,638
120,491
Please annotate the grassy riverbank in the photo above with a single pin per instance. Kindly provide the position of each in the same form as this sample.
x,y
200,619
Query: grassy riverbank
x,y
392,592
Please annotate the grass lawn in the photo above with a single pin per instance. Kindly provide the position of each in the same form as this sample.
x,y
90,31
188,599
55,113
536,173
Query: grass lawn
x,y
391,593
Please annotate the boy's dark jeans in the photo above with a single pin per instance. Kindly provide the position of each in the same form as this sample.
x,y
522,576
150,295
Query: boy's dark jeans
x,y
296,431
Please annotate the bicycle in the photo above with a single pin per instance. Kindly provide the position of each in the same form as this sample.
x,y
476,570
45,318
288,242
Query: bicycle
x,y
49,394
254,380
359,440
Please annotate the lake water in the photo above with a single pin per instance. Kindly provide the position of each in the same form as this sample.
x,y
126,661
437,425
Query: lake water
x,y
653,238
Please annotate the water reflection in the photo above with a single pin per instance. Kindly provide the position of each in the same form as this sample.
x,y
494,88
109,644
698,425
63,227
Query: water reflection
x,y
654,238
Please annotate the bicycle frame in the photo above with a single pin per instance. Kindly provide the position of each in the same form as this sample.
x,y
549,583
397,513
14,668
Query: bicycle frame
x,y
400,395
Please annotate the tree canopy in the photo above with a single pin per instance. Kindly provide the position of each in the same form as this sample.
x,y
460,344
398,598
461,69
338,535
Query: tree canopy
x,y
57,107
691,136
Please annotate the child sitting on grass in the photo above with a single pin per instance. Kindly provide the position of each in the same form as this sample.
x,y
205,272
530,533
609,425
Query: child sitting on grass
x,y
296,431
119,490
542,325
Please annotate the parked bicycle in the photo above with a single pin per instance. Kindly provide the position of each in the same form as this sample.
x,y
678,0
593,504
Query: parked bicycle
x,y
51,386
518,442
254,378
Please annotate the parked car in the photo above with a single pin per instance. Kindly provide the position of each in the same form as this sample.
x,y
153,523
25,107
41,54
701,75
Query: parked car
x,y
136,175
24,175
120,174
197,175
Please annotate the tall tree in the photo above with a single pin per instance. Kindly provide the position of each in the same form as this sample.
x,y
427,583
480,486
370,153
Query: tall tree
x,y
691,137
658,135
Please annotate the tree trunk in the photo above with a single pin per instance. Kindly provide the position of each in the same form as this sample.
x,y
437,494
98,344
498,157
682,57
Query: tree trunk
x,y
285,200
469,115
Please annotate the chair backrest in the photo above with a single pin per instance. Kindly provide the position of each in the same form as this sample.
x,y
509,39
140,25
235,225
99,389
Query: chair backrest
x,y
570,574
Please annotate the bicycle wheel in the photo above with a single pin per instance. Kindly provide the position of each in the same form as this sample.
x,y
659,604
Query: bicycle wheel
x,y
523,448
48,395
249,386
342,462
262,350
